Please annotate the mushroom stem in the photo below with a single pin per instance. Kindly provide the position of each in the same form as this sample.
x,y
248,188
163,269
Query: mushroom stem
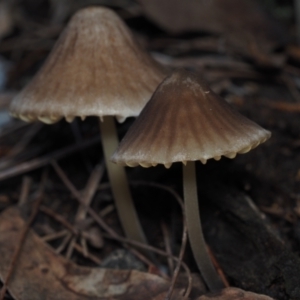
x,y
196,237
119,184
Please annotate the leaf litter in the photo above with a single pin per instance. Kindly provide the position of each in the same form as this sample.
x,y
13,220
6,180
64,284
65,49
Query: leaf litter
x,y
43,274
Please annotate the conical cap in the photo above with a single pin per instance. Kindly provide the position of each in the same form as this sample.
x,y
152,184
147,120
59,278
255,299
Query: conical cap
x,y
186,121
95,69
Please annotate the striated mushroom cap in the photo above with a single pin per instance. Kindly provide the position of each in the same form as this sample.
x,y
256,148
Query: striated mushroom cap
x,y
186,121
95,69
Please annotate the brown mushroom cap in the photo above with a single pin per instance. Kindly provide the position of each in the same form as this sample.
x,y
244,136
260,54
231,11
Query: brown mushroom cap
x,y
186,121
95,69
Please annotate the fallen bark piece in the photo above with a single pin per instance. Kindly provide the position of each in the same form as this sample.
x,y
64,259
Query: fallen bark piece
x,y
42,274
247,246
234,294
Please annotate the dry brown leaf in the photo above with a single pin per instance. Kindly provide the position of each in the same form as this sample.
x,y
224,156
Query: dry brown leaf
x,y
41,274
234,294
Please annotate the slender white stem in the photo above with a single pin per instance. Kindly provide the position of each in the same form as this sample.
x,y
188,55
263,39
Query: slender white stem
x,y
196,237
119,183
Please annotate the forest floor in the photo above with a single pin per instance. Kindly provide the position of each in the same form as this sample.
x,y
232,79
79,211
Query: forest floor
x,y
250,205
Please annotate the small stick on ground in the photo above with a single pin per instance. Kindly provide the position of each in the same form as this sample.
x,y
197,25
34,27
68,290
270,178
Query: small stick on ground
x,y
26,185
117,237
89,192
70,247
112,234
23,234
21,144
54,236
90,256
293,107
147,261
183,242
177,269
218,267
107,210
59,219
64,243
84,246
88,195
11,129
45,160
167,243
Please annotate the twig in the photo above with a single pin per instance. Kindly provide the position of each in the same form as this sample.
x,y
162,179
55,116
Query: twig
x,y
78,196
293,107
64,243
54,236
155,250
70,247
177,269
26,155
59,219
11,129
26,184
23,234
93,214
22,143
218,267
67,234
147,261
106,210
44,160
84,246
93,258
89,192
184,236
162,187
183,241
167,241
112,234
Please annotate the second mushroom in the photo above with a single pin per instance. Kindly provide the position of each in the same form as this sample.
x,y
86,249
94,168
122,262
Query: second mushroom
x,y
186,121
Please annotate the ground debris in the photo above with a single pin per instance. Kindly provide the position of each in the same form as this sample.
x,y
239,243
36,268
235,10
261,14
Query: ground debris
x,y
247,29
234,294
42,274
250,251
246,57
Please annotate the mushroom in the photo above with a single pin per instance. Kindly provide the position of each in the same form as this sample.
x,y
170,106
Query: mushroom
x,y
185,121
96,68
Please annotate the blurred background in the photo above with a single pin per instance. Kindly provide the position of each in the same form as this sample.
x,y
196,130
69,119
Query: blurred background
x,y
252,30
